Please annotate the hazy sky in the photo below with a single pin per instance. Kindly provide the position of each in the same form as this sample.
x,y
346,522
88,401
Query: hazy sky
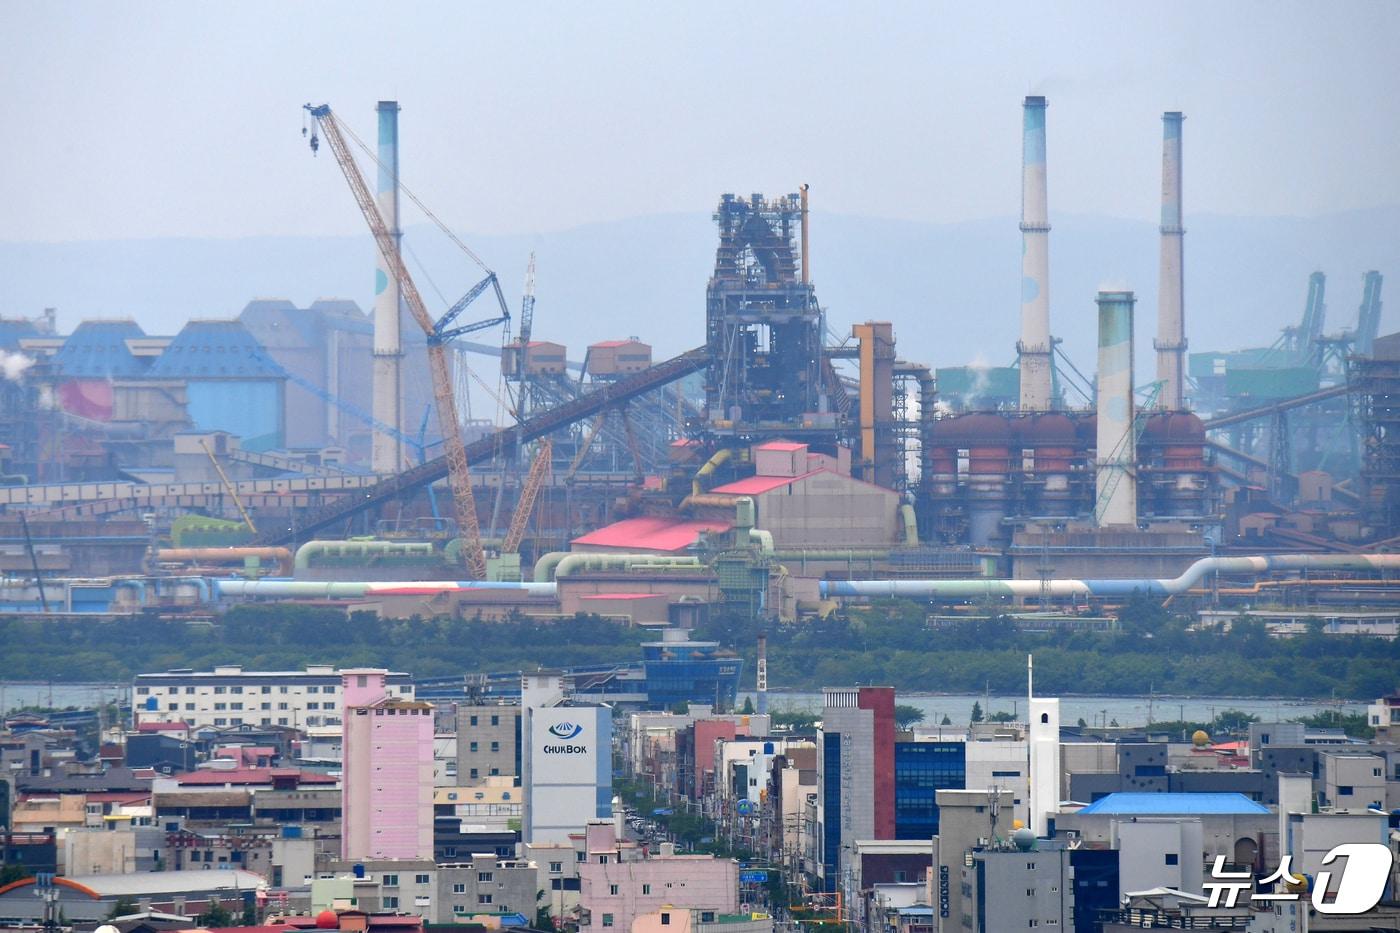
x,y
177,119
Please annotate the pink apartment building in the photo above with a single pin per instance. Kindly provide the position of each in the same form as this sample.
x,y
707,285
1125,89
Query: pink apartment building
x,y
387,774
618,883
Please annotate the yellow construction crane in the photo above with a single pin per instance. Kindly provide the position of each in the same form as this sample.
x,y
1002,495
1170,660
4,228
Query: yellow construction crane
x,y
438,334
229,487
529,491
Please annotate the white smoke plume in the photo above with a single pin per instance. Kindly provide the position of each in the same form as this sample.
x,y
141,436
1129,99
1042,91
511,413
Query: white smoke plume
x,y
13,365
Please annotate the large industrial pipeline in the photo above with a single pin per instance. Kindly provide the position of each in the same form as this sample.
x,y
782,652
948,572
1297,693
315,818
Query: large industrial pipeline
x,y
225,555
975,589
317,589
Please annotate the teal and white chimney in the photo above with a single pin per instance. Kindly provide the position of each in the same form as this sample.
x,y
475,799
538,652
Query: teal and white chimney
x,y
386,455
1033,349
1115,458
1171,312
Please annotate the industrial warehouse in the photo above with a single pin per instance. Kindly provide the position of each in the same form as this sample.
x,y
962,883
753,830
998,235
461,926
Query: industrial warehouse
x,y
778,469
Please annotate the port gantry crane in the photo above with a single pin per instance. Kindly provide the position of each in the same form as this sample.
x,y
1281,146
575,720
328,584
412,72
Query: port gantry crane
x,y
438,333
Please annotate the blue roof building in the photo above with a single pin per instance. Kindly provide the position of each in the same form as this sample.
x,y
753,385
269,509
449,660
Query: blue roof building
x,y
1170,804
231,384
98,350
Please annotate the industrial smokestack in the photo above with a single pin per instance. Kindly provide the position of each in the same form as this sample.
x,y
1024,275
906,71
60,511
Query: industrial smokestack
x,y
1171,313
1033,349
1115,484
387,404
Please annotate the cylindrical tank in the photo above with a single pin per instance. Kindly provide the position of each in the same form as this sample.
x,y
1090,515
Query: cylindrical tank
x,y
1051,437
988,438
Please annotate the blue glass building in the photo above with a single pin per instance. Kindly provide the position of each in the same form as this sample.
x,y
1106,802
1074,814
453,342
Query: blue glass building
x,y
921,769
679,670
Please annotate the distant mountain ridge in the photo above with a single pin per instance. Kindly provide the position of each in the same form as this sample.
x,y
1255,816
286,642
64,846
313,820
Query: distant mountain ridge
x,y
951,290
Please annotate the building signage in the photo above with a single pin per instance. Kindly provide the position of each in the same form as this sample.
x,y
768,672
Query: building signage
x,y
943,890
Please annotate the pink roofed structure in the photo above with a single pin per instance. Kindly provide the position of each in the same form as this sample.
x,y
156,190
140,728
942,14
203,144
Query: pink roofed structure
x,y
649,533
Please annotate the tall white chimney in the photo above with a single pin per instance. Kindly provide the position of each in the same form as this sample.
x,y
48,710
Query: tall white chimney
x,y
1115,502
1171,313
386,387
1033,349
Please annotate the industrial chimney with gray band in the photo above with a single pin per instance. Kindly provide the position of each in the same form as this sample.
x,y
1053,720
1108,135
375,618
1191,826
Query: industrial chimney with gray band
x,y
1033,349
1171,314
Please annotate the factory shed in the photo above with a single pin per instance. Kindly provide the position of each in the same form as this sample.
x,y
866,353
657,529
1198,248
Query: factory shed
x,y
231,384
661,535
820,509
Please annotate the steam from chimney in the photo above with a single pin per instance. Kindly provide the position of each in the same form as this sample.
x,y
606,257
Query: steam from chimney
x,y
14,366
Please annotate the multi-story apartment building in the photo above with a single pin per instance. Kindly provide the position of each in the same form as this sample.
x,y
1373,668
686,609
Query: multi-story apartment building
x,y
477,887
619,884
231,696
488,743
387,778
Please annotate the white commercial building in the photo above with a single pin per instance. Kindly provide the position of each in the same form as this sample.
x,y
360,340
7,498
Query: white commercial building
x,y
231,696
566,770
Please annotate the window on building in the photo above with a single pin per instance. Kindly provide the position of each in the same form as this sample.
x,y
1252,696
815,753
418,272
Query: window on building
x,y
602,860
580,856
172,706
235,706
237,721
391,903
313,689
267,688
220,721
1030,892
483,898
422,879
665,918
484,877
265,721
494,772
459,889
474,773
221,689
459,908
390,881
1030,866
1345,790
612,890
361,680
1173,858
495,746
495,720
266,706
646,889
281,705
313,706
556,867
473,720
189,707
281,720
236,690
707,916
220,706
142,691
473,746
607,920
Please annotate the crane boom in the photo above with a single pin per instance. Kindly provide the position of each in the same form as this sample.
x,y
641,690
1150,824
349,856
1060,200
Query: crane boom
x,y
458,473
527,303
529,491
